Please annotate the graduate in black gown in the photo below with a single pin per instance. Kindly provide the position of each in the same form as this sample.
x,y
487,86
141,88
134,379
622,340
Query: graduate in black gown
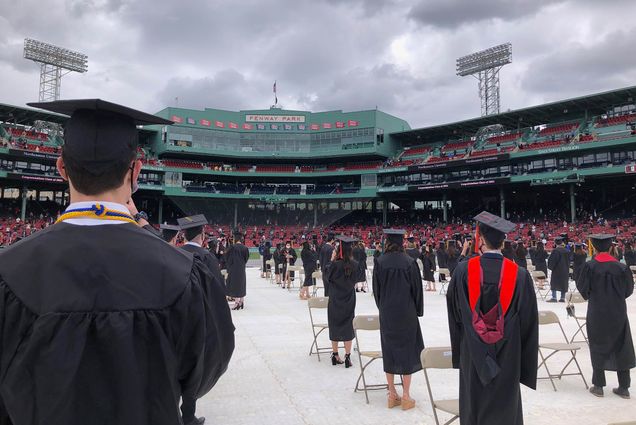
x,y
606,284
428,267
309,257
169,233
521,254
397,289
113,325
630,255
343,273
288,257
442,259
559,263
277,262
326,251
360,255
236,257
578,260
540,259
494,333
193,228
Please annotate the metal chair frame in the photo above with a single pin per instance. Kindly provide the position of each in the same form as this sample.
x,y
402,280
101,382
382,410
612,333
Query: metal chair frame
x,y
442,355
547,318
317,303
581,321
443,284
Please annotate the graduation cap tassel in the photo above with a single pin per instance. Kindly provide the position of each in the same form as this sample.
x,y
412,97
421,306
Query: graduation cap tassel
x,y
590,250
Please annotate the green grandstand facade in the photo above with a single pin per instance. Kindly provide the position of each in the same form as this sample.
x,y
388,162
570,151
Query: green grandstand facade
x,y
336,162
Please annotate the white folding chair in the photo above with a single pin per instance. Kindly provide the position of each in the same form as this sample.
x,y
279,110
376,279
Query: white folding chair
x,y
439,358
549,318
298,271
367,323
270,273
443,284
318,328
540,284
317,275
580,319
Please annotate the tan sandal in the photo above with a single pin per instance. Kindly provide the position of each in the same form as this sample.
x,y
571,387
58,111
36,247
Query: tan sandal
x,y
408,404
394,402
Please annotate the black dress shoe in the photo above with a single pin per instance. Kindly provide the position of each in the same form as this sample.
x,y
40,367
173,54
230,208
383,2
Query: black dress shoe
x,y
597,391
621,392
196,421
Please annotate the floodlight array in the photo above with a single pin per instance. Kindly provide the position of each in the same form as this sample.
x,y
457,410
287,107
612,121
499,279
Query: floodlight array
x,y
57,56
493,57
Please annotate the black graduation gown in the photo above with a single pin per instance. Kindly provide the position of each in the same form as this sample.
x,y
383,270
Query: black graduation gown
x,y
428,263
267,255
606,286
452,261
285,260
414,253
236,258
630,258
531,252
113,326
540,257
342,299
397,289
309,258
442,258
559,263
360,255
277,260
520,258
325,258
577,264
489,375
209,259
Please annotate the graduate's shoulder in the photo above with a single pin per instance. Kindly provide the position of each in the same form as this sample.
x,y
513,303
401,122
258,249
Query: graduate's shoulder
x,y
395,260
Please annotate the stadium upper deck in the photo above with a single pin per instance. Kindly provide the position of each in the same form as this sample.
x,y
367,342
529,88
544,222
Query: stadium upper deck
x,y
286,157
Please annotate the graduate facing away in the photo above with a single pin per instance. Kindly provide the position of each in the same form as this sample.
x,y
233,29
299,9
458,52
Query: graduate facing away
x,y
493,320
114,325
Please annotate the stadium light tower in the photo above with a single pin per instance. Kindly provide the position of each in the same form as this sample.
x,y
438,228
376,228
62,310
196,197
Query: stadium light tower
x,y
55,62
485,66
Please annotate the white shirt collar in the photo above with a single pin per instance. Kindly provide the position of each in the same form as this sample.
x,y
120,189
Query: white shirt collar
x,y
493,251
194,243
95,221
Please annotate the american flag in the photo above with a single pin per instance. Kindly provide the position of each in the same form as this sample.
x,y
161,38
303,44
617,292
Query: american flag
x,y
275,95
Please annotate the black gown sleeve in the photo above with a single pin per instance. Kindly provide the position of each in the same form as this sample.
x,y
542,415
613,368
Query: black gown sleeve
x,y
454,316
205,333
375,284
629,282
416,288
583,281
553,260
529,326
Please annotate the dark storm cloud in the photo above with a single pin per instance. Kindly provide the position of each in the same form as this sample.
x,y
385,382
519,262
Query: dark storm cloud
x,y
453,13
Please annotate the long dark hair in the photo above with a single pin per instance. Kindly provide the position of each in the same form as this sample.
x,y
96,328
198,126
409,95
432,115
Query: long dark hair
x,y
345,254
540,246
393,247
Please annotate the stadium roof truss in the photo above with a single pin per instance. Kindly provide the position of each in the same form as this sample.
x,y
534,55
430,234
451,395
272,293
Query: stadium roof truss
x,y
570,109
28,116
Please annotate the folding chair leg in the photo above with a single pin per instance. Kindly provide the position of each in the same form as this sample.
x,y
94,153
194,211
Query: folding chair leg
x,y
545,364
580,371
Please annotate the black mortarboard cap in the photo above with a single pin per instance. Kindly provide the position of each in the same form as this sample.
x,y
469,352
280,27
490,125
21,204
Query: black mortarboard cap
x,y
602,242
99,132
558,239
346,239
495,222
169,231
198,220
395,235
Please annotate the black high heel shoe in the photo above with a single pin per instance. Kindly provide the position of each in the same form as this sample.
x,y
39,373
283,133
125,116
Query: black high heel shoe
x,y
347,361
238,307
335,360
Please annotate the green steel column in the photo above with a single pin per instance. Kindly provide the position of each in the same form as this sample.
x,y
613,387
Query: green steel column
x,y
23,194
160,212
445,208
385,211
572,204
502,198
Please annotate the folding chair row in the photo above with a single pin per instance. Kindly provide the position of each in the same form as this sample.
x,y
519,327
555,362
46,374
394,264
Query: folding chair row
x,y
540,284
317,276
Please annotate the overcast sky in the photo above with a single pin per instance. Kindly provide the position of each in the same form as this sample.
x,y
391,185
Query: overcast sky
x,y
398,55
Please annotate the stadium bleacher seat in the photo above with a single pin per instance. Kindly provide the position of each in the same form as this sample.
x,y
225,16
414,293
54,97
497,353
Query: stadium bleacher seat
x,y
558,129
622,119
